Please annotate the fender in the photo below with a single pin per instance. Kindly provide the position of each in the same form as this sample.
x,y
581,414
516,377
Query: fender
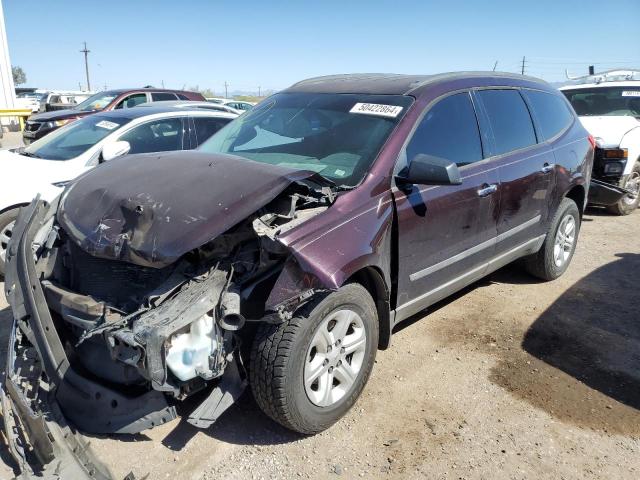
x,y
631,141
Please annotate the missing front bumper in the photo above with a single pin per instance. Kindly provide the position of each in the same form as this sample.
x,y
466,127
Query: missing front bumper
x,y
35,407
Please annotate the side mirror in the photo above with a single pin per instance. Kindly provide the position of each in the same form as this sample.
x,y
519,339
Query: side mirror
x,y
113,150
430,170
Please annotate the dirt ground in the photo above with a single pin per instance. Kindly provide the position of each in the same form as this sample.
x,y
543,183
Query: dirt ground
x,y
510,379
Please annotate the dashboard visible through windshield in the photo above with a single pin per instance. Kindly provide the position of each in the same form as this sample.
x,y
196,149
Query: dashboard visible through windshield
x,y
336,135
609,101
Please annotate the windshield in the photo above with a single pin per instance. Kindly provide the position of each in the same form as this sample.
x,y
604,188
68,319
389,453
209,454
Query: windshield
x,y
74,139
336,135
620,101
95,102
37,96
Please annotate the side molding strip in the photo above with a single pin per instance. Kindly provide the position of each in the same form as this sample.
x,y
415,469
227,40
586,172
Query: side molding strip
x,y
473,250
442,291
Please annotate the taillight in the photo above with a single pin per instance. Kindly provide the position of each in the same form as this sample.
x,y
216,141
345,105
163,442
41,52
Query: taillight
x,y
592,141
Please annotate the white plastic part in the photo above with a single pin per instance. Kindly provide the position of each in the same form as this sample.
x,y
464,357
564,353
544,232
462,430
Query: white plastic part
x,y
189,352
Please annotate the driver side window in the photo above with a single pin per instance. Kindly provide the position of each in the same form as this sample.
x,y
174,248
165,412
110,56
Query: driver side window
x,y
133,100
157,136
449,130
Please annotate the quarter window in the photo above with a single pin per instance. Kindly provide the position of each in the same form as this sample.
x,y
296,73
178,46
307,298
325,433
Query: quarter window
x,y
551,112
509,119
449,130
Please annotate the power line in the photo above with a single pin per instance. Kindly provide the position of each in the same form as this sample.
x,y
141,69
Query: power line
x,y
86,64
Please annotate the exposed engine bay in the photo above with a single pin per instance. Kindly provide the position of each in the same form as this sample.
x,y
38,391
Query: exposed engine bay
x,y
173,330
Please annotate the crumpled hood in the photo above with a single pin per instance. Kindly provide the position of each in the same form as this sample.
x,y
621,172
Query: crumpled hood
x,y
151,209
609,129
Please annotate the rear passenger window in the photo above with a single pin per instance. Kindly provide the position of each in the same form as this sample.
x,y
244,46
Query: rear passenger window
x,y
450,131
205,127
509,119
163,96
551,112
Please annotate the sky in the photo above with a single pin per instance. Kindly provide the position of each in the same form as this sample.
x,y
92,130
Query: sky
x,y
273,43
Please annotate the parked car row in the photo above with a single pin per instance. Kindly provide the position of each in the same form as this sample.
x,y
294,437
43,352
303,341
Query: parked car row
x,y
279,255
37,126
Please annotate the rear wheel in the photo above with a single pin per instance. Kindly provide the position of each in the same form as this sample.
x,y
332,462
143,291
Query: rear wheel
x,y
7,222
306,373
553,259
629,203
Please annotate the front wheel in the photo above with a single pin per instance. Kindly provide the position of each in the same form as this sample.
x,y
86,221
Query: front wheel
x,y
306,373
629,203
553,259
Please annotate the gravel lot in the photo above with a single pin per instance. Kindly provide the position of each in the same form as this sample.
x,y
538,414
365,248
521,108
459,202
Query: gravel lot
x,y
511,378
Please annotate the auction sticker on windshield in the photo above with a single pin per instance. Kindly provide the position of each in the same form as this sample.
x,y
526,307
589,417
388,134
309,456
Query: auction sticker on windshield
x,y
107,124
390,111
631,93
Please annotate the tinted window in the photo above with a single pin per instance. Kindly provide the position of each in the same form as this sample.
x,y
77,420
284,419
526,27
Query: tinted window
x,y
133,100
182,97
551,112
509,118
162,96
205,127
156,136
449,130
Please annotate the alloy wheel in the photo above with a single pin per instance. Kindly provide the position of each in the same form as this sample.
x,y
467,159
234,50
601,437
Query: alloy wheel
x,y
5,236
633,184
335,357
564,241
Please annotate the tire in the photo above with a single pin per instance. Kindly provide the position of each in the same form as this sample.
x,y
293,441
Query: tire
x,y
6,221
283,356
628,204
549,263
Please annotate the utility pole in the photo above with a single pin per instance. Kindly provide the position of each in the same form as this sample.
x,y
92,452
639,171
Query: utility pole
x,y
226,86
495,65
259,91
523,62
86,64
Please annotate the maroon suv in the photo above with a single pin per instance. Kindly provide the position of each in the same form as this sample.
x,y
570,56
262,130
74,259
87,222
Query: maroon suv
x,y
40,124
282,253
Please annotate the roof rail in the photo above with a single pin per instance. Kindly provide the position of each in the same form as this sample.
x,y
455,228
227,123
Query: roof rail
x,y
607,76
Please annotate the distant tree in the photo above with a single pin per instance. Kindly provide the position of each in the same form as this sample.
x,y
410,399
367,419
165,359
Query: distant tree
x,y
19,77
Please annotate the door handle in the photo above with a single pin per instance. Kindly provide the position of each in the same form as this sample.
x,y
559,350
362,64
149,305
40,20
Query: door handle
x,y
547,168
487,190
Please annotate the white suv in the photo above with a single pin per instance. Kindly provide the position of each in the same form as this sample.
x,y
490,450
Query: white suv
x,y
608,105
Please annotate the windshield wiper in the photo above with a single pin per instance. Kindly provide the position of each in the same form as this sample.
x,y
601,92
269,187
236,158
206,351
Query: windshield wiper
x,y
29,154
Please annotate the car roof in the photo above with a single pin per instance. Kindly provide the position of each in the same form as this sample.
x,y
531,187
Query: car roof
x,y
138,112
393,84
195,105
120,91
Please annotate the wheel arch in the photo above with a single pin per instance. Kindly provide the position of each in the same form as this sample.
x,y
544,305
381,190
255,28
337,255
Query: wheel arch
x,y
12,207
372,279
578,194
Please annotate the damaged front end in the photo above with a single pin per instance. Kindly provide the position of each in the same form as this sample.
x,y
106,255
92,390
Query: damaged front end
x,y
116,322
